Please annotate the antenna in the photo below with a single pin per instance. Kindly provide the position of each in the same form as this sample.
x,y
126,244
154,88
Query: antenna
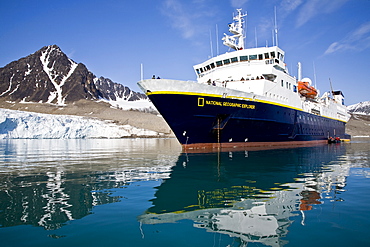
x,y
141,72
314,72
217,40
255,35
210,40
276,30
331,87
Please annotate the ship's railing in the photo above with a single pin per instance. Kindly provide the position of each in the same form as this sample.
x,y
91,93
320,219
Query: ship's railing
x,y
224,83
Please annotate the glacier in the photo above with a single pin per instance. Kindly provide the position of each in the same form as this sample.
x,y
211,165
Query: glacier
x,y
29,125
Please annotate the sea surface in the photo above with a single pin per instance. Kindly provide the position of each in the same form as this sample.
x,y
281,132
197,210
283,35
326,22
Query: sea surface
x,y
147,192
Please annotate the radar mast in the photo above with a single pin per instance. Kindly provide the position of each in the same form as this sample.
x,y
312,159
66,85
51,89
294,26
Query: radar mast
x,y
236,41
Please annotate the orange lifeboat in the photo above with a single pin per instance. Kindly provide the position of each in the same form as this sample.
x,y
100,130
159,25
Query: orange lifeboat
x,y
305,89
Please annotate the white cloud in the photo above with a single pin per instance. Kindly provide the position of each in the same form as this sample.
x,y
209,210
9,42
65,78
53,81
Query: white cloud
x,y
287,6
238,3
312,8
188,17
361,31
335,47
359,40
307,9
179,17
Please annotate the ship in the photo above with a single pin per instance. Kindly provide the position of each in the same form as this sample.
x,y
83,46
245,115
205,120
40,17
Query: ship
x,y
246,97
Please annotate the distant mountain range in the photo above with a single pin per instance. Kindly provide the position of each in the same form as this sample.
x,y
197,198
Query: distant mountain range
x,y
362,108
49,76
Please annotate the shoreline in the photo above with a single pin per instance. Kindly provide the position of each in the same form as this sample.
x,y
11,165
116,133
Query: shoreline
x,y
358,126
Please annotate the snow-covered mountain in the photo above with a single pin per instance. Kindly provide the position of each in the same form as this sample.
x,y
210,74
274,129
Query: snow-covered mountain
x,y
362,108
49,76
19,124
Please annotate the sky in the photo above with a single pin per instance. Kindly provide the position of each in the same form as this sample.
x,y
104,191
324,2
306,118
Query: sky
x,y
116,38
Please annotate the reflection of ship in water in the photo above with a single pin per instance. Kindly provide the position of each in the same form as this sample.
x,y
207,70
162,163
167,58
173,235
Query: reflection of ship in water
x,y
250,196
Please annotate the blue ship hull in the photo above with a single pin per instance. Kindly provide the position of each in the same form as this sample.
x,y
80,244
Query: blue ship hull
x,y
203,119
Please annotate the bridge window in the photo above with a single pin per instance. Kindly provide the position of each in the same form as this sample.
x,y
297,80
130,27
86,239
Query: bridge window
x,y
234,59
226,61
219,63
272,54
252,57
243,58
260,56
267,55
280,56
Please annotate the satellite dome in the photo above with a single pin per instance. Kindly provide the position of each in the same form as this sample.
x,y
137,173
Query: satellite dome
x,y
306,79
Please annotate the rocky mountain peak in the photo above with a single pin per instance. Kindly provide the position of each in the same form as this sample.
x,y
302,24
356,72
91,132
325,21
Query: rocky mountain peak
x,y
49,76
114,91
362,108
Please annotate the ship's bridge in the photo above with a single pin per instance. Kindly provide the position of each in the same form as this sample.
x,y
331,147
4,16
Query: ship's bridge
x,y
242,64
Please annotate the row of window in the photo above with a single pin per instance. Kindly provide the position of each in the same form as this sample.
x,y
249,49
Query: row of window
x,y
317,129
320,120
289,85
276,96
268,55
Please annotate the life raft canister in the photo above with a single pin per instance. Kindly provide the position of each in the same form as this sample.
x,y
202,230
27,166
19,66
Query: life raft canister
x,y
305,88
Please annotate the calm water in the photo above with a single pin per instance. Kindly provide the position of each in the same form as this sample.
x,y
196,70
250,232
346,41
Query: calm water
x,y
145,192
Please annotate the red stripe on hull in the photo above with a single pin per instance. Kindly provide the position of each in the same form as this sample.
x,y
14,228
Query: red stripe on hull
x,y
248,146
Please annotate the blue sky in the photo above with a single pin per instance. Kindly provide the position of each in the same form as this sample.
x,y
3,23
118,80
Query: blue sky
x,y
113,38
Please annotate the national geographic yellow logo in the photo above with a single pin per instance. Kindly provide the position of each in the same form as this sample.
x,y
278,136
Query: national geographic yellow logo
x,y
202,102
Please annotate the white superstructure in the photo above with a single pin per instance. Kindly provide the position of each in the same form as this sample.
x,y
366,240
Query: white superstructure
x,y
263,73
